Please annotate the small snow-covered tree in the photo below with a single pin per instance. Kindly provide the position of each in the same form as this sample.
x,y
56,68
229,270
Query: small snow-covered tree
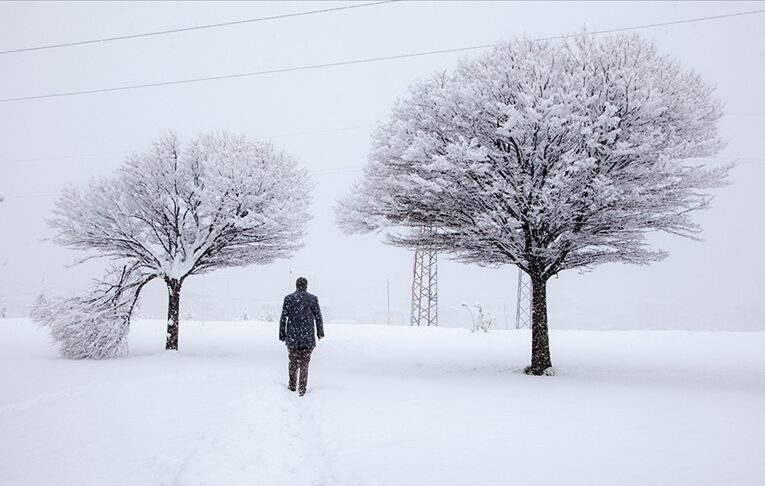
x,y
269,314
96,324
3,309
40,301
175,211
544,155
483,320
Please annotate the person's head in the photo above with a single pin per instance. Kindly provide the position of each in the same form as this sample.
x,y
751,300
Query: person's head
x,y
301,283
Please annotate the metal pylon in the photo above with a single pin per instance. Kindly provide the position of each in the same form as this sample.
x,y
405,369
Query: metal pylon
x,y
523,305
425,288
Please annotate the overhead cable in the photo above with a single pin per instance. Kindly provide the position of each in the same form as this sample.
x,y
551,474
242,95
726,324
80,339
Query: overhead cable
x,y
196,27
356,61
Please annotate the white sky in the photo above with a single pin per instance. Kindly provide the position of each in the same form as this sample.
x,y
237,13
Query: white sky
x,y
43,145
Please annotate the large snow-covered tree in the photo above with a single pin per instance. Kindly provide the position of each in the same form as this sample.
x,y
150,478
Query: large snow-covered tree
x,y
175,211
544,155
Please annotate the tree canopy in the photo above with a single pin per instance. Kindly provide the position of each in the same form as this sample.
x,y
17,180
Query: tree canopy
x,y
545,155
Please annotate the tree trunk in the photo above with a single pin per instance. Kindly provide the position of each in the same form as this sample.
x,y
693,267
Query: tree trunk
x,y
540,339
173,311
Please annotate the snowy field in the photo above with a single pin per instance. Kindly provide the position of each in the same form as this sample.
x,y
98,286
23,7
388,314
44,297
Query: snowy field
x,y
387,406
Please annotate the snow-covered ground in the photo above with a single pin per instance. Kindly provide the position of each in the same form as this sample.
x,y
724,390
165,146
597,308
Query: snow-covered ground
x,y
386,405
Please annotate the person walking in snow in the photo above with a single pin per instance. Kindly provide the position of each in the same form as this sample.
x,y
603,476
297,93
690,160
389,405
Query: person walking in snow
x,y
300,312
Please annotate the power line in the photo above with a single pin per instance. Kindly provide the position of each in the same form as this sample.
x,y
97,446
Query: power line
x,y
662,24
242,75
187,29
358,61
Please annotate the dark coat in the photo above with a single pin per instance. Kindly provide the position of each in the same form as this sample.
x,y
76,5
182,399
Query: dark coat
x,y
299,311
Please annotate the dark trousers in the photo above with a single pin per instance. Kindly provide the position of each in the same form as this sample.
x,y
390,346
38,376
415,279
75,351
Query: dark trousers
x,y
299,360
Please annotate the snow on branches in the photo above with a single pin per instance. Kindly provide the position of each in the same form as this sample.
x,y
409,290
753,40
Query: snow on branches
x,y
174,211
95,325
223,201
545,155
